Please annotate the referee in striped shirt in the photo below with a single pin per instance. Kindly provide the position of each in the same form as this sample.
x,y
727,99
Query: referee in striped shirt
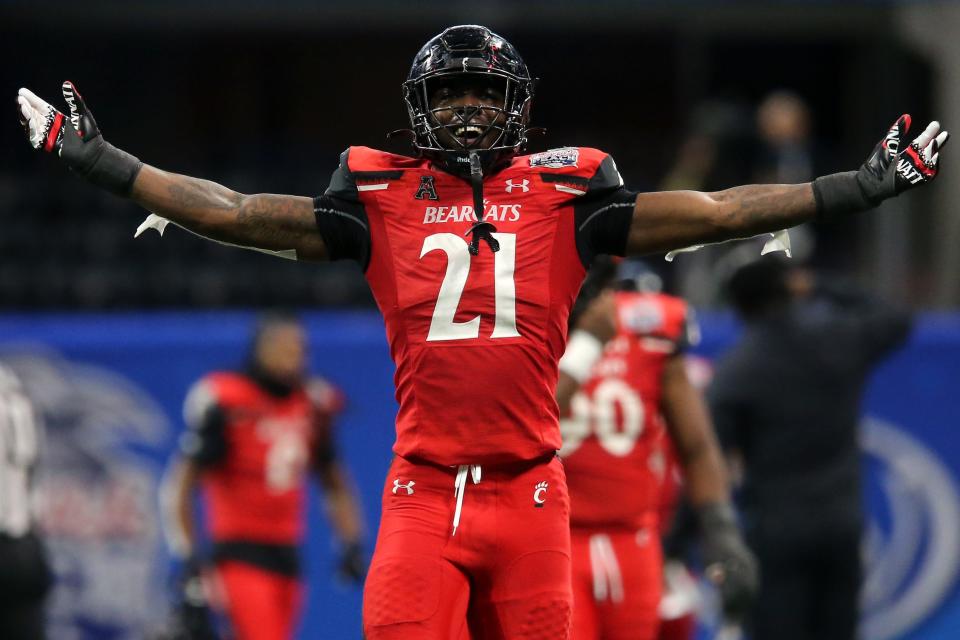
x,y
24,574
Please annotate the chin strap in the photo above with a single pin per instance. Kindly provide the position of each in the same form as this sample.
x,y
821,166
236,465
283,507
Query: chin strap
x,y
480,229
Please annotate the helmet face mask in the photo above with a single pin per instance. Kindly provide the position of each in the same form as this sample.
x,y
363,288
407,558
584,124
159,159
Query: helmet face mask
x,y
479,124
471,59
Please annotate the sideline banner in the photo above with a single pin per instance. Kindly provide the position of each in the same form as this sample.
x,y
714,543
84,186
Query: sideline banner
x,y
110,388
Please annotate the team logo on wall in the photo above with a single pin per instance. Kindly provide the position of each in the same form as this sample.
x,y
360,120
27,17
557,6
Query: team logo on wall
x,y
97,475
913,547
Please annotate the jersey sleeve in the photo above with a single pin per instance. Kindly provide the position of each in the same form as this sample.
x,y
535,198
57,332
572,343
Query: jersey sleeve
x,y
341,217
204,442
603,213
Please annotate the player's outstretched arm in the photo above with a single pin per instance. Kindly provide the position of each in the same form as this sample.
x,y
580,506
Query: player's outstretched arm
x,y
675,219
263,221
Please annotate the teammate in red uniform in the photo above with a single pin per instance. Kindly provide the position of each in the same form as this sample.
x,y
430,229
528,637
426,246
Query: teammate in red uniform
x,y
635,393
252,438
474,255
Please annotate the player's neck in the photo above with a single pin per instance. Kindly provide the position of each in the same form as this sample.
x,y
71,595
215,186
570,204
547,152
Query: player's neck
x,y
269,383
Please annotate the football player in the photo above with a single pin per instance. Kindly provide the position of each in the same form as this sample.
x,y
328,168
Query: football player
x,y
253,435
474,254
621,399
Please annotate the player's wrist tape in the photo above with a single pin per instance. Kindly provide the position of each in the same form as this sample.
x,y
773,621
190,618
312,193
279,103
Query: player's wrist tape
x,y
112,169
583,351
840,193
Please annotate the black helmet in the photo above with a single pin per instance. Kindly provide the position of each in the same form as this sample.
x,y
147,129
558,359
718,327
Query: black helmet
x,y
469,50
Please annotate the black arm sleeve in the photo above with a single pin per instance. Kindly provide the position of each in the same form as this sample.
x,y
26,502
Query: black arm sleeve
x,y
603,215
205,442
342,218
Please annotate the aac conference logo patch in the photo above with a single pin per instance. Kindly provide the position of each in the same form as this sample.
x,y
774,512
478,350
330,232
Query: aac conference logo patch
x,y
556,158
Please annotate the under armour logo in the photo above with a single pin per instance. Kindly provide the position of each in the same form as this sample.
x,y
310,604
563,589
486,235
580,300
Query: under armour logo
x,y
427,189
408,487
538,494
523,184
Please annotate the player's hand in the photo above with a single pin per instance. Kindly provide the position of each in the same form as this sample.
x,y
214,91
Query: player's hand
x,y
894,167
353,564
599,319
727,561
191,617
76,140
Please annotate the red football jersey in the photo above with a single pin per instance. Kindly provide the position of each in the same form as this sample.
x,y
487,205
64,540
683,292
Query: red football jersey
x,y
613,439
255,449
476,339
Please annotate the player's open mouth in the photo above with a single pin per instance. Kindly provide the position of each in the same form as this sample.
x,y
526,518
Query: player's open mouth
x,y
468,134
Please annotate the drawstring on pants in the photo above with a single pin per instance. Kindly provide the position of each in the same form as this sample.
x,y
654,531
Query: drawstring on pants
x,y
460,485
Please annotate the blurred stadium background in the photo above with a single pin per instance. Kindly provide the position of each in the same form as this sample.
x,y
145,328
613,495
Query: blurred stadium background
x,y
109,332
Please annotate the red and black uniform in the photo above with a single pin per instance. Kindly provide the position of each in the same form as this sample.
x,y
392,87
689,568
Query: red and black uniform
x,y
255,442
614,458
475,505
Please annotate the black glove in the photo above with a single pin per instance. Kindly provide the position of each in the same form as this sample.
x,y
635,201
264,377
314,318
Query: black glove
x,y
353,563
76,140
727,561
888,171
192,618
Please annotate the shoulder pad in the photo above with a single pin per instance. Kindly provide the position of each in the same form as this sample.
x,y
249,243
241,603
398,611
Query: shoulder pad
x,y
324,395
200,397
363,165
362,159
653,315
590,170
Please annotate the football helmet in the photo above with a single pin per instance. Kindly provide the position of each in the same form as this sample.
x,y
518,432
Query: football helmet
x,y
459,52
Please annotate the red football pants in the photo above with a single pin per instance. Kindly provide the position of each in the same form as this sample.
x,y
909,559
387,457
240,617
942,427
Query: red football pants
x,y
260,604
504,573
678,628
617,582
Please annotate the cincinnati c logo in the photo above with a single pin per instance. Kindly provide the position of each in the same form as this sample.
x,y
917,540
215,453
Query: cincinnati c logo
x,y
538,494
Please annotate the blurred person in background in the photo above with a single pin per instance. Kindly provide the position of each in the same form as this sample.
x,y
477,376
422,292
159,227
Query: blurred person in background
x,y
626,398
252,438
787,152
786,403
25,576
475,254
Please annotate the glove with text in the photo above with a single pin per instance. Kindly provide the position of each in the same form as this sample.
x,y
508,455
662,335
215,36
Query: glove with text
x,y
890,170
76,140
